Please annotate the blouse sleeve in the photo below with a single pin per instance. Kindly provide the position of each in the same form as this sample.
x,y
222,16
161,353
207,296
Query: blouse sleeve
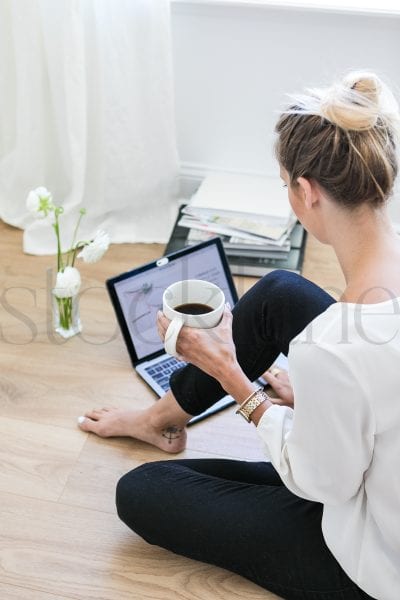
x,y
322,448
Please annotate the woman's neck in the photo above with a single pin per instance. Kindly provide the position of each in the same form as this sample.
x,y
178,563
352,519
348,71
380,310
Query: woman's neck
x,y
368,251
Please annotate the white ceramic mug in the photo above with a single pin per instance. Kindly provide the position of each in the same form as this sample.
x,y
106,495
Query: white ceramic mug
x,y
191,292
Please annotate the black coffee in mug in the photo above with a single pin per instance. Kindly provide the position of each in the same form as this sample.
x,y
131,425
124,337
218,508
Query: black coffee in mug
x,y
193,308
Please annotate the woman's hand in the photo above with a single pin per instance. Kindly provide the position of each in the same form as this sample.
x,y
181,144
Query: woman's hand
x,y
278,379
211,350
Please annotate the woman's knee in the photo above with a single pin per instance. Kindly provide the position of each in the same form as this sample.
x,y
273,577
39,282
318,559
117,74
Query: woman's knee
x,y
281,289
268,298
135,493
280,283
276,285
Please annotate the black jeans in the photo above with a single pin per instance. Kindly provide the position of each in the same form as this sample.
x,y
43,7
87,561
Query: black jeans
x,y
236,514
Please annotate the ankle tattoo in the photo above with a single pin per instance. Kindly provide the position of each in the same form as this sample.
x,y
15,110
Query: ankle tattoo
x,y
171,433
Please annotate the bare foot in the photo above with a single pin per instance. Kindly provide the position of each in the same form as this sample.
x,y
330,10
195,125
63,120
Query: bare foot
x,y
139,424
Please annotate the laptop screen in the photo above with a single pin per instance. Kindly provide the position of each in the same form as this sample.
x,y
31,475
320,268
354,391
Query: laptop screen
x,y
137,295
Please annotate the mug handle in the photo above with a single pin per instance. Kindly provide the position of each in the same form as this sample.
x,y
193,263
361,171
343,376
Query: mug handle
x,y
171,336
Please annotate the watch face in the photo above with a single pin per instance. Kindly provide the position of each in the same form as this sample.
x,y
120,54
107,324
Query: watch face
x,y
249,405
259,397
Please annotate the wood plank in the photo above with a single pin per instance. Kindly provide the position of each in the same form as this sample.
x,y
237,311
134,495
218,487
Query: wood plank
x,y
50,385
13,592
36,459
87,554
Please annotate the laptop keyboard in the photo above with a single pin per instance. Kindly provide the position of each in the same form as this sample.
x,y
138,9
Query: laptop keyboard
x,y
161,372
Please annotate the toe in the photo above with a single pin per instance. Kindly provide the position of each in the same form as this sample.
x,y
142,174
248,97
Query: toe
x,y
87,423
94,414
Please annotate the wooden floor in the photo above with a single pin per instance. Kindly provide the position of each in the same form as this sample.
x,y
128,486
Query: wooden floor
x,y
60,537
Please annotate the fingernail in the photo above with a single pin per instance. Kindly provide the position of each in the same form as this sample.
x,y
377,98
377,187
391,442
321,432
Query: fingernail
x,y
81,419
228,305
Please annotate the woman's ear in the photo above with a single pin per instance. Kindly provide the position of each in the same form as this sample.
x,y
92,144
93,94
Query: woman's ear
x,y
307,192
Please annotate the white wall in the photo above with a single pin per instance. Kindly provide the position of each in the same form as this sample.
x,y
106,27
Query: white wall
x,y
233,65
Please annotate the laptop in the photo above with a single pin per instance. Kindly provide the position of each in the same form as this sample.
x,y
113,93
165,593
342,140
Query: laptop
x,y
137,296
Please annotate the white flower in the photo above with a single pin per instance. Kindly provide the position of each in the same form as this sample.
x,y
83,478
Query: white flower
x,y
93,251
68,283
39,201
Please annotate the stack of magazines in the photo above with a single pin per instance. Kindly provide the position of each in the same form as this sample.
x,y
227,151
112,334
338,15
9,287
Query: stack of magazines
x,y
253,217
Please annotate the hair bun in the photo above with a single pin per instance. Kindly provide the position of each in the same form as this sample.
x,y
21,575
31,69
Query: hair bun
x,y
354,103
367,84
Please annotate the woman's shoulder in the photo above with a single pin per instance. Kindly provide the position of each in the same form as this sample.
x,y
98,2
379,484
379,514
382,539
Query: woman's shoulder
x,y
355,350
350,326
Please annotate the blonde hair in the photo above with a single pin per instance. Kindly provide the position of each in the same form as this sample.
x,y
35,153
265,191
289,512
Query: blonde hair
x,y
344,137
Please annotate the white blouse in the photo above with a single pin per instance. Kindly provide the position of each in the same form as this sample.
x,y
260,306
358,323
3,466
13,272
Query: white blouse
x,y
341,444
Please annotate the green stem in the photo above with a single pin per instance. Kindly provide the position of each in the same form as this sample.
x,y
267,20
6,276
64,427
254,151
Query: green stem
x,y
78,246
57,230
65,312
73,250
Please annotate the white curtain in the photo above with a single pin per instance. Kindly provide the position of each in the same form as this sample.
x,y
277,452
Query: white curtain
x,y
86,110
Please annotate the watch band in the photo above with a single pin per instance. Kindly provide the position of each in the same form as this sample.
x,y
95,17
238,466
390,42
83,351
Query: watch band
x,y
251,403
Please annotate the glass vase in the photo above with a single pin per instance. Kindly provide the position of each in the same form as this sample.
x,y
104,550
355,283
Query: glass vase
x,y
66,319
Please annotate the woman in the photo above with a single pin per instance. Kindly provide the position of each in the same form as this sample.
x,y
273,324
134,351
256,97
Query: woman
x,y
320,520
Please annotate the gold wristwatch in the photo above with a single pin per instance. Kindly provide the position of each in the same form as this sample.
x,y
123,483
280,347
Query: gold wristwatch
x,y
247,407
